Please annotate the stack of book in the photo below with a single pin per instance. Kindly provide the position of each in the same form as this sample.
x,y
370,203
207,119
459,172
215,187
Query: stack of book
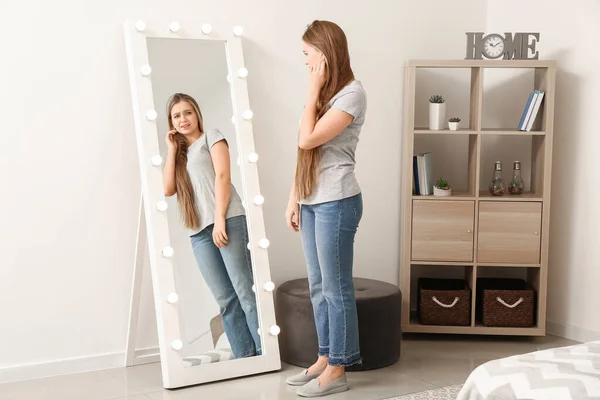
x,y
423,174
531,110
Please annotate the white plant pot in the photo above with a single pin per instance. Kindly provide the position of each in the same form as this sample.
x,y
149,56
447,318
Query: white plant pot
x,y
453,126
441,192
437,115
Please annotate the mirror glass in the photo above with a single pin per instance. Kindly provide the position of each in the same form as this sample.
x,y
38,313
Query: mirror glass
x,y
217,307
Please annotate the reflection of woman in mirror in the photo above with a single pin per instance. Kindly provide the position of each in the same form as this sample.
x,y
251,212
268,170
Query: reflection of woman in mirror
x,y
198,171
331,200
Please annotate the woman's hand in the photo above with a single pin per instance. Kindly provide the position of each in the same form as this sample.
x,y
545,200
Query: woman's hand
x,y
171,142
316,79
219,235
292,216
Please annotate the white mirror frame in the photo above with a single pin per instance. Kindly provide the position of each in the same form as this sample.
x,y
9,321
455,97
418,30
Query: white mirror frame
x,y
174,373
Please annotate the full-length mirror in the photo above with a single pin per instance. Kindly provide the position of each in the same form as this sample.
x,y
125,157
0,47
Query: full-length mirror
x,y
210,272
218,315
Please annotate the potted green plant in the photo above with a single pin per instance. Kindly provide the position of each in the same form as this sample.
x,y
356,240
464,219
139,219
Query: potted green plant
x,y
437,112
453,123
442,188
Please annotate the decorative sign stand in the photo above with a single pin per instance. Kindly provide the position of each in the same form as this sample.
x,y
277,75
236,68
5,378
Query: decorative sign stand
x,y
508,47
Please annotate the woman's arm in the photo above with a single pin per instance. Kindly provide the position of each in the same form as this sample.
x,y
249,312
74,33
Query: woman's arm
x,y
219,153
169,171
313,133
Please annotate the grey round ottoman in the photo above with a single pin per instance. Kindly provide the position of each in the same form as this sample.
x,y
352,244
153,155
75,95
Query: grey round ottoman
x,y
379,323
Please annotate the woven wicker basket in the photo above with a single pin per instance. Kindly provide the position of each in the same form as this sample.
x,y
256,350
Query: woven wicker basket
x,y
505,302
444,302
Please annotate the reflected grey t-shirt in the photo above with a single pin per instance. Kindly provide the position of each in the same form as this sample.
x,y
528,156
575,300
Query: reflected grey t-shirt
x,y
202,174
336,179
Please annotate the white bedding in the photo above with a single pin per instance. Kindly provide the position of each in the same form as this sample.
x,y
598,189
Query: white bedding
x,y
565,373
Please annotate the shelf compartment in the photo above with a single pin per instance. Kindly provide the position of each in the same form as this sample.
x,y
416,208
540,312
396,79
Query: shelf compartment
x,y
509,232
531,275
443,231
460,171
530,150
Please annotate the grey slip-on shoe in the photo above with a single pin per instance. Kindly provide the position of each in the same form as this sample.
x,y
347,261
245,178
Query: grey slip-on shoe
x,y
312,388
302,378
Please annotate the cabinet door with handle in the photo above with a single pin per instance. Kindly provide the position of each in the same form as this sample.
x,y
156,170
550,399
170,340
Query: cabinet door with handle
x,y
509,232
442,230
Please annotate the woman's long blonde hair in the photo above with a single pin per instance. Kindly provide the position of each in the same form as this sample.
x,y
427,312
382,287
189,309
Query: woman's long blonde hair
x,y
331,40
186,199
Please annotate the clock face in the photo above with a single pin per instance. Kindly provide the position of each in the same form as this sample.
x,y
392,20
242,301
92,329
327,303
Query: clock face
x,y
493,46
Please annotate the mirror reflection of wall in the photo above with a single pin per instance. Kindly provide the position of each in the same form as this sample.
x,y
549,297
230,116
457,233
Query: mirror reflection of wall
x,y
199,68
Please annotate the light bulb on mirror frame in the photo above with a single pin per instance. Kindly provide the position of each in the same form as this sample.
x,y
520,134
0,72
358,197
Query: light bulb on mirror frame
x,y
177,344
259,200
174,26
162,205
140,26
228,78
156,160
249,246
242,72
269,286
151,115
258,331
248,114
167,251
264,243
238,162
206,29
172,298
146,70
275,330
253,157
254,288
238,31
233,119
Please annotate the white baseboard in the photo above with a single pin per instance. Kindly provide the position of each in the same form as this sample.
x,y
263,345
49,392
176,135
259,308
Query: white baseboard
x,y
572,332
75,365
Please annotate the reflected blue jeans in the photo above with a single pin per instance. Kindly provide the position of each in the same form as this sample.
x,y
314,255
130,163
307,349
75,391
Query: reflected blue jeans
x,y
328,231
228,274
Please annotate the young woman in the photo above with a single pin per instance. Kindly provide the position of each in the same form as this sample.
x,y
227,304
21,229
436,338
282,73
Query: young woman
x,y
198,171
331,199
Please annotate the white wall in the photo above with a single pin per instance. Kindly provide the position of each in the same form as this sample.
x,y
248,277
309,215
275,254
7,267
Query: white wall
x,y
568,34
70,169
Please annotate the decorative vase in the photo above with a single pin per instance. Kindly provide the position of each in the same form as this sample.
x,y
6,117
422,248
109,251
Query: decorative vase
x,y
453,126
437,115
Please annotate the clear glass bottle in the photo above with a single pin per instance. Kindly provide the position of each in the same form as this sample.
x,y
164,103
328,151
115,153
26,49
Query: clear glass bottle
x,y
497,186
515,186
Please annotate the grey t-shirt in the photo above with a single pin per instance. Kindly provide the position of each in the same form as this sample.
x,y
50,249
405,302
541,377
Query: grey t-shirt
x,y
202,174
335,178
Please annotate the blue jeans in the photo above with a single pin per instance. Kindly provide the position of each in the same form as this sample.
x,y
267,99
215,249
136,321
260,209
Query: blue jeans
x,y
228,274
328,231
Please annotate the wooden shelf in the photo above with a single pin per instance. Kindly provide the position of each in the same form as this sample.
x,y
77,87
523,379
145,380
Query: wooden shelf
x,y
482,63
487,196
425,131
443,263
487,235
477,329
510,132
508,265
454,196
484,132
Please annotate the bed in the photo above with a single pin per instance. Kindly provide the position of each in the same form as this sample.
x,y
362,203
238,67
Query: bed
x,y
563,373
